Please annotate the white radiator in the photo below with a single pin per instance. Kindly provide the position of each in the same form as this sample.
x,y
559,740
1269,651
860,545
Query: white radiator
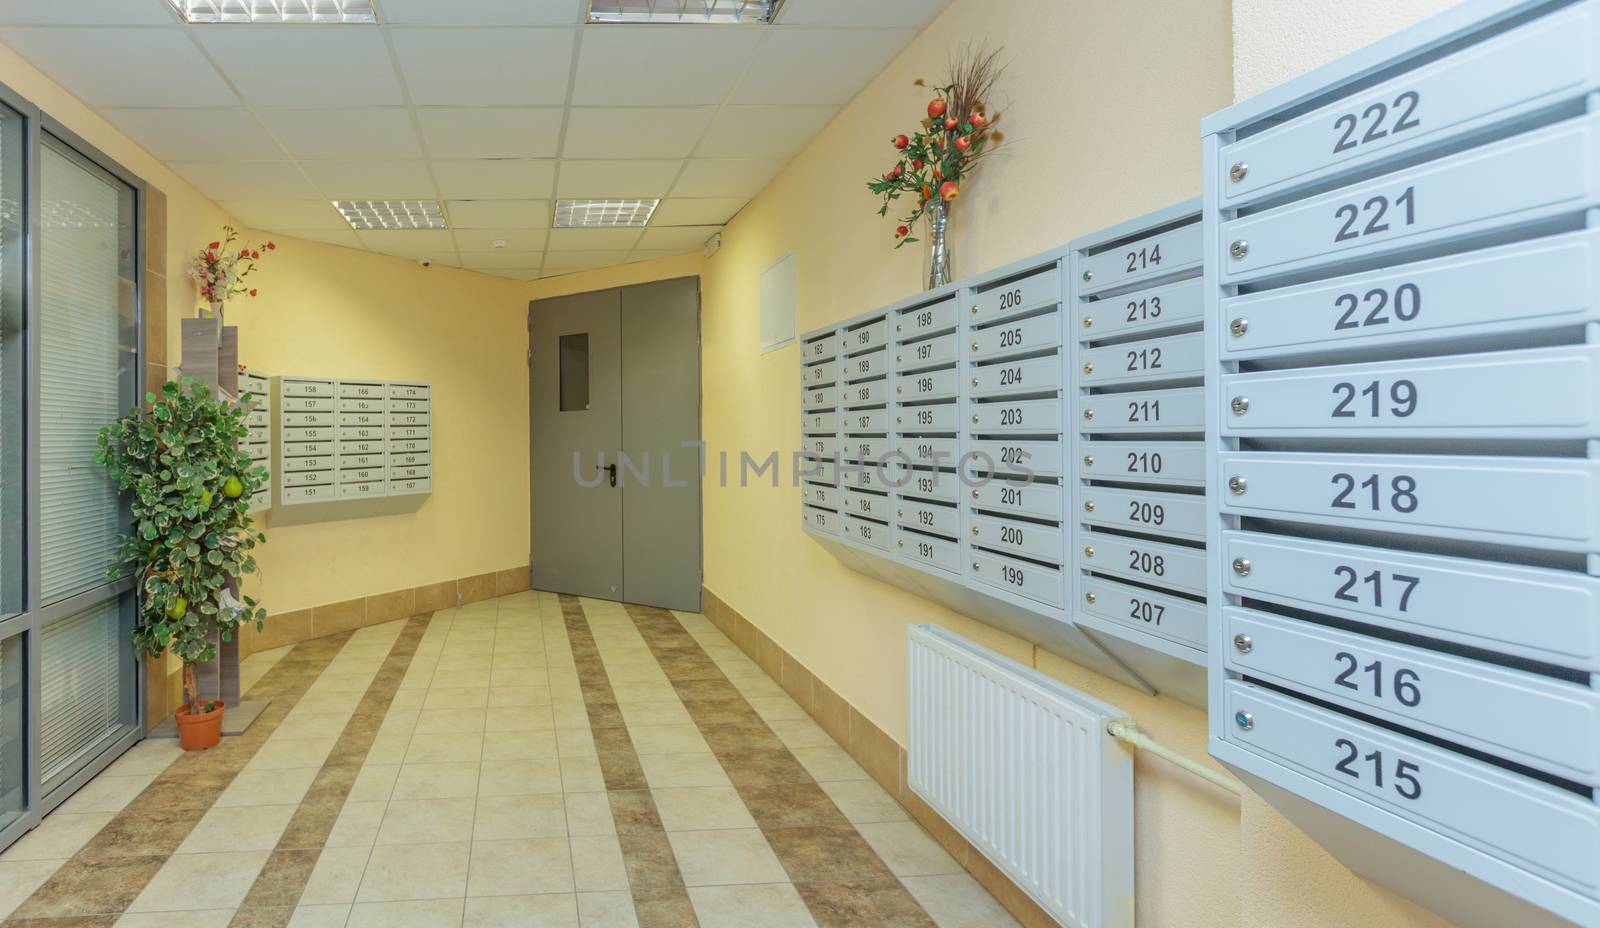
x,y
1021,764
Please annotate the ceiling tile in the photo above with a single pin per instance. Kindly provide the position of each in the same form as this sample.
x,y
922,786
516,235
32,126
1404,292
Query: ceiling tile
x,y
286,214
585,240
469,132
786,70
371,180
683,211
616,178
479,240
226,134
346,238
652,65
345,133
725,178
411,243
300,66
913,14
495,179
582,260
485,67
643,133
672,237
103,68
641,254
482,261
108,12
483,12
499,214
246,180
762,131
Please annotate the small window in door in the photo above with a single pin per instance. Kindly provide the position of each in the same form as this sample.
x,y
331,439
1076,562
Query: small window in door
x,y
574,350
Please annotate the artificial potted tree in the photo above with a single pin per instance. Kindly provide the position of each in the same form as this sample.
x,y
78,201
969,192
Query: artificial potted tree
x,y
178,459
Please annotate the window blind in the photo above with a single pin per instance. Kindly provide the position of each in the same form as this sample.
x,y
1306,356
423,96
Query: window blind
x,y
12,363
85,680
86,374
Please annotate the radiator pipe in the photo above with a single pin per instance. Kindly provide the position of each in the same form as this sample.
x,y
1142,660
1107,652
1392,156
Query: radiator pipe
x,y
1127,731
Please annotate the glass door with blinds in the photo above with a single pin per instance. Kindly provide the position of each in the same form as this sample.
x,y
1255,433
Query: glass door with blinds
x,y
70,331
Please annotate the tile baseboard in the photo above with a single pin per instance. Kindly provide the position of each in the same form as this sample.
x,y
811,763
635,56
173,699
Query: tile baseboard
x,y
880,755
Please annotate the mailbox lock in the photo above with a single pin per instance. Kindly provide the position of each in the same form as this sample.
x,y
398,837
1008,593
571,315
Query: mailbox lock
x,y
974,494
897,326
974,418
1244,720
974,530
1241,566
974,346
896,391
1239,249
974,309
897,420
901,543
1088,505
897,359
974,565
1240,405
974,381
1088,368
1088,460
1237,485
1088,322
1242,643
1238,171
1088,276
1239,326
900,513
1088,552
1088,414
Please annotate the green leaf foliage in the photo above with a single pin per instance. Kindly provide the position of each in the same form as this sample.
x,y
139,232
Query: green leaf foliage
x,y
189,540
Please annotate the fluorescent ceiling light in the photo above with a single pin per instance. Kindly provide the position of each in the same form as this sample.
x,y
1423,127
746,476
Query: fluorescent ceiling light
x,y
365,215
683,11
603,214
275,11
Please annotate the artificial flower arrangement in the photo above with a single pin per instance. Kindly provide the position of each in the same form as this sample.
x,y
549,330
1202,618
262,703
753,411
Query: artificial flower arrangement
x,y
958,131
219,270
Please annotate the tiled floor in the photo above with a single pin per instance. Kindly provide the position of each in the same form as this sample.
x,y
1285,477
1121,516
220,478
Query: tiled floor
x,y
528,761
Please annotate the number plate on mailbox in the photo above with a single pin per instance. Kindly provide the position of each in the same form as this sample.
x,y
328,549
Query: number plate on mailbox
x,y
1171,617
1143,259
1153,562
928,517
926,320
926,549
1042,500
867,532
1004,378
932,352
1178,410
992,456
1181,463
930,417
1024,578
1041,289
866,393
1028,539
1143,311
1169,358
926,385
1020,336
1020,416
861,338
1180,515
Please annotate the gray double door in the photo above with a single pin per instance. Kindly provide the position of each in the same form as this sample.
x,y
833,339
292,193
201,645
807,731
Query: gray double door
x,y
614,400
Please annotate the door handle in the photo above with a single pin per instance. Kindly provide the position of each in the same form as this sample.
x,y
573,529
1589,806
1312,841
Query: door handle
x,y
611,471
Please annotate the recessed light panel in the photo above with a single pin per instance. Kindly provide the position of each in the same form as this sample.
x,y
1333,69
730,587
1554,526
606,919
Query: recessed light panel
x,y
275,11
603,214
683,11
365,215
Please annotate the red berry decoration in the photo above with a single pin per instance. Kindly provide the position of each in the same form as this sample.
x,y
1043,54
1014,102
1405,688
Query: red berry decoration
x,y
916,164
951,122
936,108
902,232
963,143
949,190
979,120
901,142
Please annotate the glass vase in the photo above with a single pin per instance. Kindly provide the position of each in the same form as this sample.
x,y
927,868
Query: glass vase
x,y
938,268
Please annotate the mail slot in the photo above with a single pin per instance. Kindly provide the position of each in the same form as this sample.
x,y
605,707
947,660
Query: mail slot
x,y
1149,311
1169,358
862,503
1550,502
258,418
926,320
1019,416
1541,828
1162,614
406,418
1015,536
822,445
306,404
1180,463
1006,300
1022,578
1548,59
361,432
819,348
1466,702
1176,410
866,422
820,422
926,385
395,431
410,390
818,470
819,374
309,462
996,456
1539,284
926,483
937,518
346,418
1016,496
1006,378
307,433
816,495
866,393
311,494
379,460
361,475
409,487
1153,256
864,336
363,404
355,389
934,452
867,476
868,364
859,448
931,352
311,418
1449,598
395,445
399,405
1154,562
307,448
927,417
1017,337
300,478
928,549
867,532
1178,515
1537,393
820,520
288,387
1427,202
818,398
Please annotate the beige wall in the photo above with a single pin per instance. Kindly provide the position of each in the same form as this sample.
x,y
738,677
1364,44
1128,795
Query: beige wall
x,y
325,310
